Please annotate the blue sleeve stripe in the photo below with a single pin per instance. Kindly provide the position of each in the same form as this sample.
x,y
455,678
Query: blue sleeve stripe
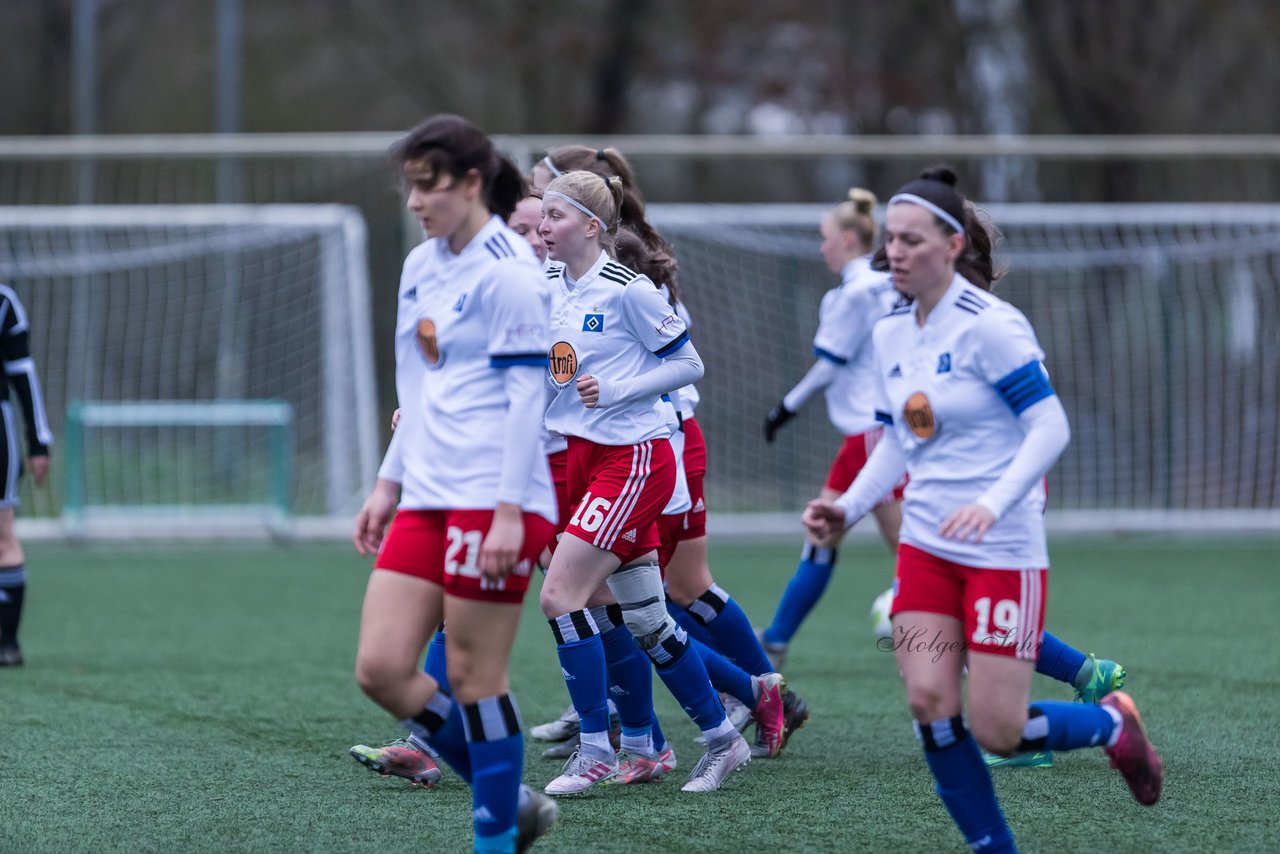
x,y
884,417
1024,386
668,349
511,360
829,356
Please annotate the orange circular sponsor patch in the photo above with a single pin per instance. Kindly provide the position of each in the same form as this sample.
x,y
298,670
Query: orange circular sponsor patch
x,y
427,341
918,415
563,362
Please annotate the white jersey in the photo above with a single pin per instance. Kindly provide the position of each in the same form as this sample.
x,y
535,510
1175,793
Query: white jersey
x,y
951,391
472,314
845,320
611,324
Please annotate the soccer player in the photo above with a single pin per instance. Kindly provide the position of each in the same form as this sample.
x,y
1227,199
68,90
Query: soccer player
x,y
843,369
618,347
475,500
695,600
20,371
973,420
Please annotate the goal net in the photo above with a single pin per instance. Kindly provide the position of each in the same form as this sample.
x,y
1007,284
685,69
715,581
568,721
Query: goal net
x,y
1159,323
216,361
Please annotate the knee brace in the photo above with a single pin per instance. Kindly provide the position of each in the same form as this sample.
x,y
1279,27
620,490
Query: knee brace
x,y
638,589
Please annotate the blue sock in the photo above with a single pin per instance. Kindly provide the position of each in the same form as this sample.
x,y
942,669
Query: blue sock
x,y
964,784
685,676
802,593
440,725
582,663
1057,660
730,630
726,676
630,678
659,738
1052,725
496,748
436,666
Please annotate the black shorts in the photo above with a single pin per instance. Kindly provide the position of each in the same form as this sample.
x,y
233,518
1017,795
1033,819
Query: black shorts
x,y
10,456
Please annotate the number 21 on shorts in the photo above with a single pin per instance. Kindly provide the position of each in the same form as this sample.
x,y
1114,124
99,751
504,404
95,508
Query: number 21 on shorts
x,y
590,513
1004,616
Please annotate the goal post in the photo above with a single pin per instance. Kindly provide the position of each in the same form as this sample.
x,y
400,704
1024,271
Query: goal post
x,y
166,320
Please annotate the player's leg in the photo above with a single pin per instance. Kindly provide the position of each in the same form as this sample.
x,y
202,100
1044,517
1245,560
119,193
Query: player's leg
x,y
404,602
409,756
1092,678
13,583
577,570
929,648
638,588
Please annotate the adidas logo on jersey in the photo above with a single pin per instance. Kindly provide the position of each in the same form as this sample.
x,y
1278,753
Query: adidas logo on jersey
x,y
895,371
630,536
412,293
700,506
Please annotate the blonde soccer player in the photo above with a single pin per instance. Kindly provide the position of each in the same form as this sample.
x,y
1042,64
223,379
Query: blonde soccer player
x,y
465,467
618,346
972,418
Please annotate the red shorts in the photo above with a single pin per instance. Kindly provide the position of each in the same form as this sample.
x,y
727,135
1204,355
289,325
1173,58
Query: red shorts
x,y
695,469
1002,609
617,492
670,531
559,465
442,546
852,457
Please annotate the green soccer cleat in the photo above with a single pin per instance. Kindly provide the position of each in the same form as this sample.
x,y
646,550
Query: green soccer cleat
x,y
1033,759
1104,677
400,758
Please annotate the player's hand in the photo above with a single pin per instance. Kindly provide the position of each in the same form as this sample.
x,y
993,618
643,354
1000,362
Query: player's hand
x,y
823,518
589,391
773,422
971,520
372,520
39,468
500,549
395,420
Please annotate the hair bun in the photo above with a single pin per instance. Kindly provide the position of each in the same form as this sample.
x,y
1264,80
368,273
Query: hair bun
x,y
941,173
863,200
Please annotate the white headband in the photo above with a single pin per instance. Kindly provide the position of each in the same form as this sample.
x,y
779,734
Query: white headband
x,y
911,198
579,205
551,167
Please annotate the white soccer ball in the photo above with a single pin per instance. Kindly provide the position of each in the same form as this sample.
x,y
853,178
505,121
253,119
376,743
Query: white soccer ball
x,y
880,615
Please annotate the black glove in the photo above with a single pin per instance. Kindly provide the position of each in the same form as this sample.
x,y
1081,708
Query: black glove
x,y
773,422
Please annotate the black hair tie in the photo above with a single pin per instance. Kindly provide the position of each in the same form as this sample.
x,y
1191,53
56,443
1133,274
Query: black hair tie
x,y
600,154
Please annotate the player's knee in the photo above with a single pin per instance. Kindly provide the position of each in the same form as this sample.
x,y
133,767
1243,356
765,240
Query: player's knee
x,y
998,736
374,675
927,702
555,601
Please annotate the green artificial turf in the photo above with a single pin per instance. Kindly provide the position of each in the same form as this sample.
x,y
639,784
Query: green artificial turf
x,y
201,698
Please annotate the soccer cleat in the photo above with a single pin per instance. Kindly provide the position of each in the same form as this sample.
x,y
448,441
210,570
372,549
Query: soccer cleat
x,y
1033,759
10,656
717,764
563,749
1132,755
535,817
667,758
400,758
636,768
581,772
563,727
797,712
770,716
1105,676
